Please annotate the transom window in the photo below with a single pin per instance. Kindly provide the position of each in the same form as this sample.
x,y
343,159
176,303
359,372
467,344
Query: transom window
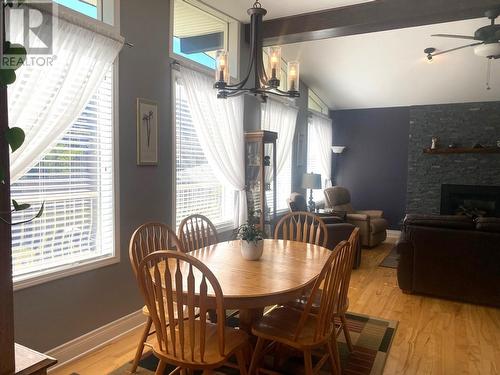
x,y
199,31
317,104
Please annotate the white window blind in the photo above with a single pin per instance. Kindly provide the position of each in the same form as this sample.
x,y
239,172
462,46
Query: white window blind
x,y
198,190
75,180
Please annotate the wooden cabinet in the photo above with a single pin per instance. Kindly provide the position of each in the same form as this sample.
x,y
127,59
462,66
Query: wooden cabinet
x,y
260,176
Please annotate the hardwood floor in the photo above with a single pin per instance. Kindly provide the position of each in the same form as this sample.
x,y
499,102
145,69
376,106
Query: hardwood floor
x,y
434,336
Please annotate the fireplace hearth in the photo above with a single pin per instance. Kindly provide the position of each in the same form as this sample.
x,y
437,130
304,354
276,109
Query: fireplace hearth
x,y
470,200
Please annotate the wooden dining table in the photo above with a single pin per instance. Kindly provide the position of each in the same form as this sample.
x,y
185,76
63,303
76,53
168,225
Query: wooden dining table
x,y
284,271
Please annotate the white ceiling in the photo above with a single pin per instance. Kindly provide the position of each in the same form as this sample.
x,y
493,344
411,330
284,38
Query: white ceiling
x,y
389,68
277,8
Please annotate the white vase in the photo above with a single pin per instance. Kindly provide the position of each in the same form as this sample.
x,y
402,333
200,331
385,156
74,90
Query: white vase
x,y
251,250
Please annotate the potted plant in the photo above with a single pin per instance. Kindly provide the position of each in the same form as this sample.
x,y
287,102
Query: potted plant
x,y
252,244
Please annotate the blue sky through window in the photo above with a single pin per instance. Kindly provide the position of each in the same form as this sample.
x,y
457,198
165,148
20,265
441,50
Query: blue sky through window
x,y
79,6
200,57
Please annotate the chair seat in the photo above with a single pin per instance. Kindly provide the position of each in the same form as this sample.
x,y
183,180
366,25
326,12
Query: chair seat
x,y
234,339
301,302
280,325
145,311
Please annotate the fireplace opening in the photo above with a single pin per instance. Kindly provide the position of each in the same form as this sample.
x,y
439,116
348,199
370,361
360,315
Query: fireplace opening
x,y
470,200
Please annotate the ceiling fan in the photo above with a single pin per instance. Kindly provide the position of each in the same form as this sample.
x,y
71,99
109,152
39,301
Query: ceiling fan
x,y
487,42
487,39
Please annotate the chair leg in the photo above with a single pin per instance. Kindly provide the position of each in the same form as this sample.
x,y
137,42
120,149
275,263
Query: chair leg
x,y
333,347
308,366
240,358
162,365
256,356
140,347
333,359
346,333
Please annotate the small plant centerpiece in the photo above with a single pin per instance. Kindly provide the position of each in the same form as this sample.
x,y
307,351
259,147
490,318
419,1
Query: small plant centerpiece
x,y
252,244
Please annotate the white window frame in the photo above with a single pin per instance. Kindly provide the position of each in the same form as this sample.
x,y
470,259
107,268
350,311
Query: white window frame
x,y
221,227
60,272
232,44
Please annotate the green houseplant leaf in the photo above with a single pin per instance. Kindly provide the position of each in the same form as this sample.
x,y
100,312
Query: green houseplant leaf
x,y
7,76
15,137
14,56
20,207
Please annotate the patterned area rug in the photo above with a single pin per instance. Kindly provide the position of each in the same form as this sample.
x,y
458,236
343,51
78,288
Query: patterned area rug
x,y
371,337
391,260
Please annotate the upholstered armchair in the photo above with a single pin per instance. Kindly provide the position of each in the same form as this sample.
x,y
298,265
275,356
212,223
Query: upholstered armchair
x,y
372,226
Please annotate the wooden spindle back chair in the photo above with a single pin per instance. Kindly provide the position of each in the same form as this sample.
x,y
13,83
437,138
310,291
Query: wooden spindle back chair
x,y
343,301
173,280
151,237
303,329
327,288
302,227
197,231
146,239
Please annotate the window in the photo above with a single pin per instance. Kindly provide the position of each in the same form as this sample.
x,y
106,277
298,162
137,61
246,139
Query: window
x,y
102,10
75,180
199,31
317,104
198,190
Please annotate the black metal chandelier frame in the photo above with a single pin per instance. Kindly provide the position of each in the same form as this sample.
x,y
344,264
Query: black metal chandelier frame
x,y
263,85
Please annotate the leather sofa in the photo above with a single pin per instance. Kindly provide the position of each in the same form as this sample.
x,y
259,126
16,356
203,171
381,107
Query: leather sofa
x,y
372,226
453,257
338,230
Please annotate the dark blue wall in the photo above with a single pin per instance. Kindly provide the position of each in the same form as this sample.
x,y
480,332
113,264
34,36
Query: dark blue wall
x,y
374,166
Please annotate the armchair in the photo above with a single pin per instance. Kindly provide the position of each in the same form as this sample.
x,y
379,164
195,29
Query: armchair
x,y
372,226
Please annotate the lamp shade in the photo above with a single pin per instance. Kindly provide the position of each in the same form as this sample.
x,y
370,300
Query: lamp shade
x,y
338,149
311,181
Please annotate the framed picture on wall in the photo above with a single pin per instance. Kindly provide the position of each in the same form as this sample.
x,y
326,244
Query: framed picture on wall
x,y
147,132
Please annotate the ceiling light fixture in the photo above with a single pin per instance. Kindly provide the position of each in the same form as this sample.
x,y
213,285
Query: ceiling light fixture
x,y
265,81
429,52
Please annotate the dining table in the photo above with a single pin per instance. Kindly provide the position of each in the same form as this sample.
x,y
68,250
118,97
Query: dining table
x,y
283,273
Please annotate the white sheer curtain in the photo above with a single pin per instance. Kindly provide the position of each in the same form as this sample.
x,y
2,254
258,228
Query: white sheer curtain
x,y
281,118
320,141
219,126
46,99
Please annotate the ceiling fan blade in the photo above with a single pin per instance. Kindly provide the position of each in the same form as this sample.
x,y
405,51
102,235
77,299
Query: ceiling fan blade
x,y
454,36
456,48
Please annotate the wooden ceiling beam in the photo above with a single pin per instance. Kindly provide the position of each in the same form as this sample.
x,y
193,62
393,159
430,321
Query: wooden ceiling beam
x,y
379,15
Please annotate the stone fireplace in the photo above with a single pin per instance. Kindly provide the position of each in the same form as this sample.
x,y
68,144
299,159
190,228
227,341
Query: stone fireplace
x,y
471,200
453,179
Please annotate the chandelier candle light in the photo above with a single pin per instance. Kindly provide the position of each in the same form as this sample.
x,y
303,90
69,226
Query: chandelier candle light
x,y
267,80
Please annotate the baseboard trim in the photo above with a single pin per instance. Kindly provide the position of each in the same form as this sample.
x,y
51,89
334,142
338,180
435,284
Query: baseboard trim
x,y
393,233
96,339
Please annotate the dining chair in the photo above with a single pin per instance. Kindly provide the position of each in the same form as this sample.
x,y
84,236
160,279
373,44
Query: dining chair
x,y
302,227
189,343
343,301
302,330
197,231
145,240
342,304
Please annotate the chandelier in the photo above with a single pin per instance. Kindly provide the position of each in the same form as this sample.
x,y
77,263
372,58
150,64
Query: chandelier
x,y
266,80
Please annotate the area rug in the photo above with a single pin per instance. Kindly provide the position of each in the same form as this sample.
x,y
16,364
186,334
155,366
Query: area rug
x,y
372,338
391,260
